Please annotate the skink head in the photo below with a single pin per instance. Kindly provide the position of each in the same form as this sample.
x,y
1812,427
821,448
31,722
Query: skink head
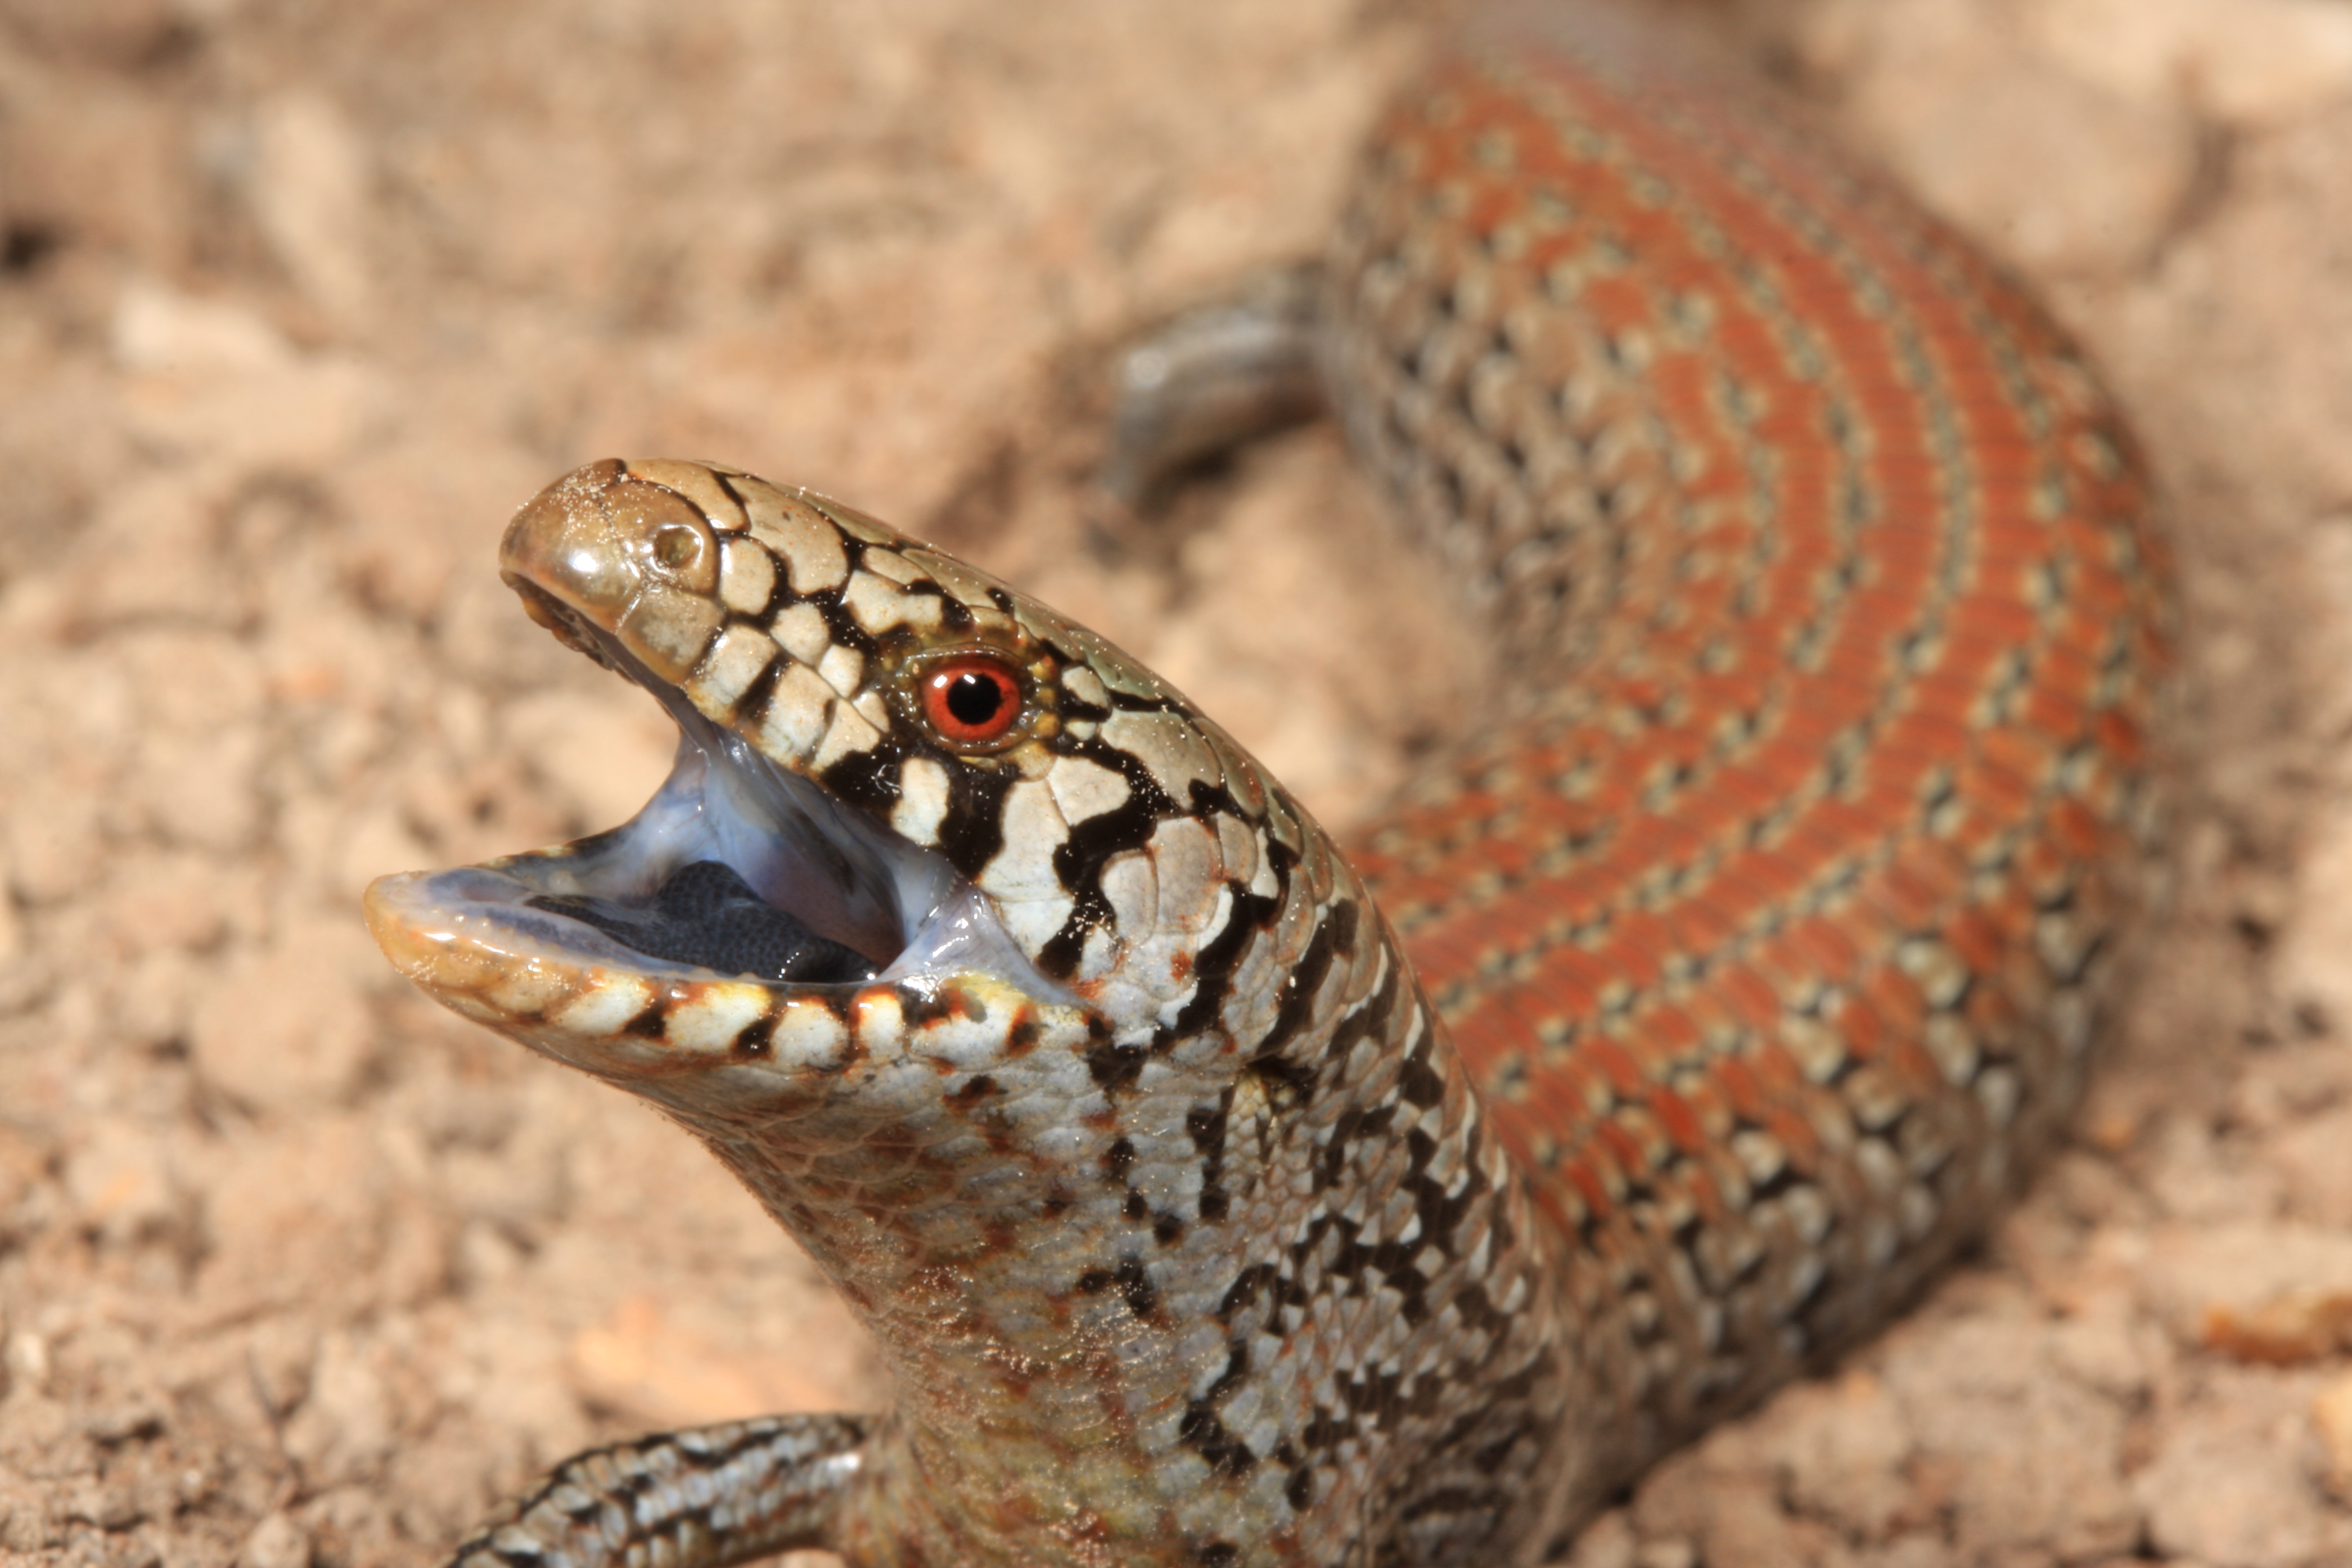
x,y
896,774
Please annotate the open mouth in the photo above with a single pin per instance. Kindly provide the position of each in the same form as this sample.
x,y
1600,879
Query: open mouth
x,y
735,866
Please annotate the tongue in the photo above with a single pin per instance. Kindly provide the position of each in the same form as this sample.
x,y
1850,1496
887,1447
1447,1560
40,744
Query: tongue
x,y
707,916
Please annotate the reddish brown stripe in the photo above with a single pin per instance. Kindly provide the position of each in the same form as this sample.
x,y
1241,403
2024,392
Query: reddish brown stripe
x,y
1863,663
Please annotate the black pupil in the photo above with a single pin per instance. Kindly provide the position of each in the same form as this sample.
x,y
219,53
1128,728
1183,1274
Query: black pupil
x,y
974,700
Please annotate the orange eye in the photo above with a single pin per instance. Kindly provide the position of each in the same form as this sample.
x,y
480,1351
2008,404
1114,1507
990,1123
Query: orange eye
x,y
972,700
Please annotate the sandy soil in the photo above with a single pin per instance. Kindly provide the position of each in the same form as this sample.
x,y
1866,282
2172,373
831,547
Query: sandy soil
x,y
294,310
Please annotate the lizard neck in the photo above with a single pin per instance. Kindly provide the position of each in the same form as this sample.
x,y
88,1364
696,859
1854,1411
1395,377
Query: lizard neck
x,y
1272,1311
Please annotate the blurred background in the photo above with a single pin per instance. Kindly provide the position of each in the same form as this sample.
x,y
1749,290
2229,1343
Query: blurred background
x,y
298,302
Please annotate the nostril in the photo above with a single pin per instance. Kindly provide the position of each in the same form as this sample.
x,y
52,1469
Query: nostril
x,y
677,545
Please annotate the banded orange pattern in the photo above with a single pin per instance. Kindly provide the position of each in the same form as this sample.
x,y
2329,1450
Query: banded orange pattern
x,y
1840,621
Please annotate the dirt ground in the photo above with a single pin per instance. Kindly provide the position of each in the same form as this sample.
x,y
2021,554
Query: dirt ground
x,y
298,302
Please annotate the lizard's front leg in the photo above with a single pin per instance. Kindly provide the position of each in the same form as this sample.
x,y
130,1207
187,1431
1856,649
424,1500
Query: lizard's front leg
x,y
695,1499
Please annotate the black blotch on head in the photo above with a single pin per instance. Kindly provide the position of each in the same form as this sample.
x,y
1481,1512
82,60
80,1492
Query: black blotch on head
x,y
972,831
1214,964
868,778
